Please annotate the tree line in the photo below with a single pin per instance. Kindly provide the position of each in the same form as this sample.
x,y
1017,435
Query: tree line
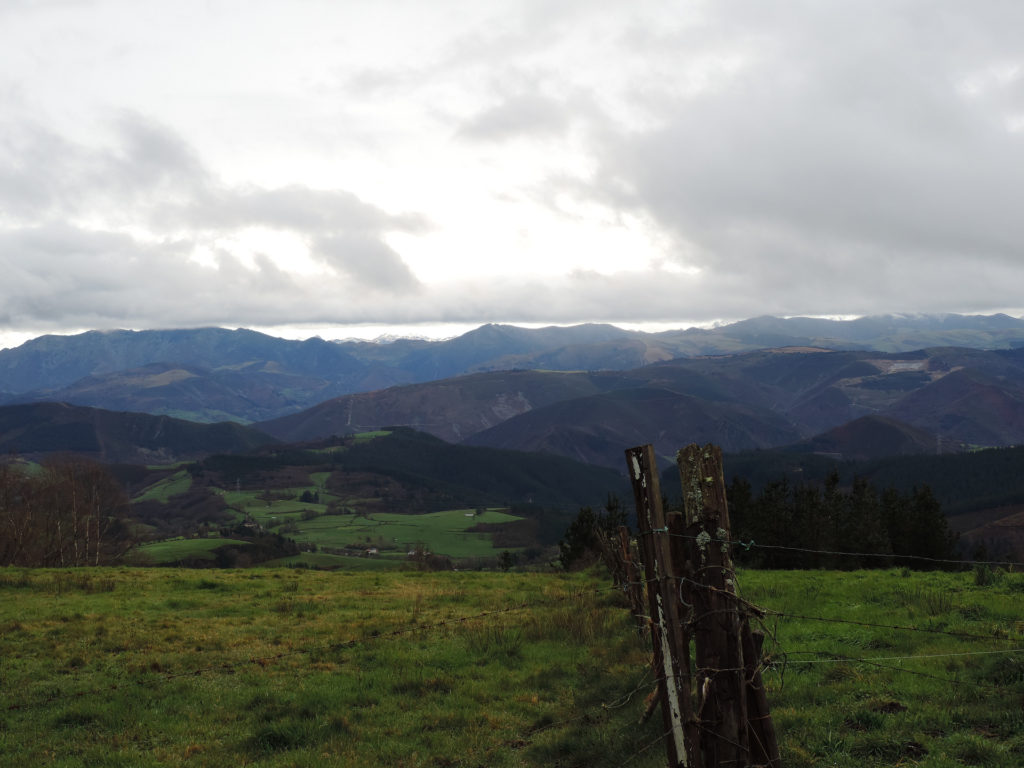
x,y
66,512
827,518
801,525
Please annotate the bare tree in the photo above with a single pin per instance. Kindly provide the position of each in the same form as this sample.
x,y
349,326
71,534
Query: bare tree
x,y
70,513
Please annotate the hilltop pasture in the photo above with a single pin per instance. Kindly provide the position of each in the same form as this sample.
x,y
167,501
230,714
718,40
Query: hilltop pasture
x,y
292,667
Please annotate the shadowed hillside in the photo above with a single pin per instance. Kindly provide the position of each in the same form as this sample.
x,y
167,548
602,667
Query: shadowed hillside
x,y
108,436
872,437
947,399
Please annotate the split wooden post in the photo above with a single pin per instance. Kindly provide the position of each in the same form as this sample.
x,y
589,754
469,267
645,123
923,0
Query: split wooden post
x,y
671,645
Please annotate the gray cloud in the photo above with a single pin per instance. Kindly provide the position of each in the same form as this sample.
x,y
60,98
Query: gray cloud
x,y
852,157
520,115
368,260
62,269
843,168
43,174
298,208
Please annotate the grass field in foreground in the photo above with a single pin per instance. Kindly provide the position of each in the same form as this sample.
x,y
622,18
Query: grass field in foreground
x,y
147,667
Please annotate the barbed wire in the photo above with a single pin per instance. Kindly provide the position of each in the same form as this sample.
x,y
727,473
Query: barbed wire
x,y
761,612
898,627
641,751
918,673
837,659
751,544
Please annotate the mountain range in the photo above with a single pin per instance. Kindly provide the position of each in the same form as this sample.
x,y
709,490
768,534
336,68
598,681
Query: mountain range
x,y
793,396
583,392
215,374
858,404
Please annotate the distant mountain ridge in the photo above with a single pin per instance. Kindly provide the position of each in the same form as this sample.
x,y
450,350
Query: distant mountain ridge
x,y
944,398
211,374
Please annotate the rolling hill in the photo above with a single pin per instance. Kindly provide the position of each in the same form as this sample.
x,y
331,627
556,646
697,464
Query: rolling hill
x,y
943,397
392,473
871,437
596,429
43,428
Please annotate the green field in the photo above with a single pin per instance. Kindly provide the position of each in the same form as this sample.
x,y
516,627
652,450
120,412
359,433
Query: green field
x,y
445,533
330,562
290,667
175,550
441,532
162,491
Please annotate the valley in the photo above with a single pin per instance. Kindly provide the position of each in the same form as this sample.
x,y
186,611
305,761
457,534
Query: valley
x,y
506,439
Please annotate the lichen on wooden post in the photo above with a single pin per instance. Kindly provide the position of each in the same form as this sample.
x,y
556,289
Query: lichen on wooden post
x,y
719,650
736,725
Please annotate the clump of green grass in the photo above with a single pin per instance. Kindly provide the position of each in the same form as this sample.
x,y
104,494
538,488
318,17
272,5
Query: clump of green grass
x,y
15,578
985,576
972,749
494,641
931,601
83,580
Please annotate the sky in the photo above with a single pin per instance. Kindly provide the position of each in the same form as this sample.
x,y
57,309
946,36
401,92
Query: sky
x,y
350,168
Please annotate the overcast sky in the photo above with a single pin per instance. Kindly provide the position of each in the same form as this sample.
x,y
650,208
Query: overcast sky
x,y
305,166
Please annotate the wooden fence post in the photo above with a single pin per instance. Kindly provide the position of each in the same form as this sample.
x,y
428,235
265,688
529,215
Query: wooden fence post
x,y
634,585
764,747
617,554
671,643
733,712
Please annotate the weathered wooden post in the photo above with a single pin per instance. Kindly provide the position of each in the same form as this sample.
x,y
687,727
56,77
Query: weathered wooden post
x,y
764,747
671,644
728,680
633,584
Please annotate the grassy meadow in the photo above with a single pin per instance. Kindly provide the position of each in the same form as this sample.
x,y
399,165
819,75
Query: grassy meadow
x,y
293,667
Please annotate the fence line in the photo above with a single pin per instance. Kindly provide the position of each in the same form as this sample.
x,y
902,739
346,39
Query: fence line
x,y
648,680
904,670
692,593
902,628
762,612
748,545
837,659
